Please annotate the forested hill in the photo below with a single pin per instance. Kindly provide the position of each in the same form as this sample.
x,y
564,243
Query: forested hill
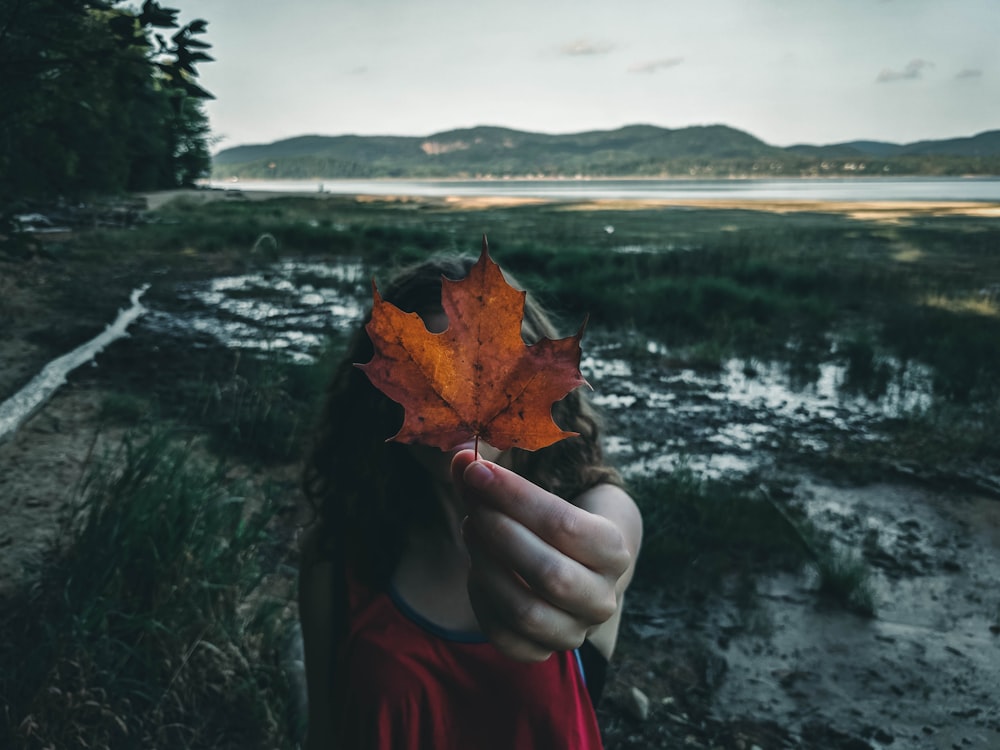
x,y
632,151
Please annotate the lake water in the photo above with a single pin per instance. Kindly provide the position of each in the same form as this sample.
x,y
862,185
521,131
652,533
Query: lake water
x,y
977,189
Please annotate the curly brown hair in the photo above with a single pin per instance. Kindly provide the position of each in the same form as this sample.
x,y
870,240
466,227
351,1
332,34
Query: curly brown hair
x,y
363,489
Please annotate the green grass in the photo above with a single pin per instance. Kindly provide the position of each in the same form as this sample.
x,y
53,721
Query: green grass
x,y
264,409
699,529
124,408
844,578
148,627
253,406
700,532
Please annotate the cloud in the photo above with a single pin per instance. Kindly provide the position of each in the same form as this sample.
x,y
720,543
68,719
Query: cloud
x,y
585,47
358,71
651,66
914,69
969,73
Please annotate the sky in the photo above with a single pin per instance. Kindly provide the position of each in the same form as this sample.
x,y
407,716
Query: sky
x,y
786,71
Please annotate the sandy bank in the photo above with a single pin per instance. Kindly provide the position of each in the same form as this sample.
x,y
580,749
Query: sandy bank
x,y
864,210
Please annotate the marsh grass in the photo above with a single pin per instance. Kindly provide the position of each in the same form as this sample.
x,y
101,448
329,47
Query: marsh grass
x,y
748,281
701,531
253,405
264,408
844,578
259,411
944,435
333,226
801,288
125,408
147,628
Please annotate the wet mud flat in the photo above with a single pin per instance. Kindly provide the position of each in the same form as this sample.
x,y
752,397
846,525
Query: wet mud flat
x,y
784,669
777,666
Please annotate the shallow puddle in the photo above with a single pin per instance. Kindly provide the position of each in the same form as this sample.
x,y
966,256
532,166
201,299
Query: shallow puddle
x,y
291,307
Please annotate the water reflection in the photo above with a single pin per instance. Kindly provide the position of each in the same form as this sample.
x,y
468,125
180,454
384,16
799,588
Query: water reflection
x,y
736,419
291,307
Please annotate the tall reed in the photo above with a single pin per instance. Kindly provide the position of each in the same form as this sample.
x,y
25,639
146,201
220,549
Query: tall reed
x,y
148,628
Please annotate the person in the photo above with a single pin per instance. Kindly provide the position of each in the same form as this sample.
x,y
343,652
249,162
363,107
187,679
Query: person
x,y
449,599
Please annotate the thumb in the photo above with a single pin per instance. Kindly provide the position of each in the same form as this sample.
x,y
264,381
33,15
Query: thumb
x,y
459,464
475,479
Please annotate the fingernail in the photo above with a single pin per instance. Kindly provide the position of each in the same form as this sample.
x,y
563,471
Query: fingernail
x,y
477,475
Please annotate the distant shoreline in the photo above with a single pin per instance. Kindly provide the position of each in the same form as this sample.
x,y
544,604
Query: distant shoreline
x,y
250,190
213,183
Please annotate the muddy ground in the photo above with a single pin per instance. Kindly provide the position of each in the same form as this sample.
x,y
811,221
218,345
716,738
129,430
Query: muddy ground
x,y
778,669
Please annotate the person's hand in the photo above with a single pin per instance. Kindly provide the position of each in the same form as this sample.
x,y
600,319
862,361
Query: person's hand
x,y
543,571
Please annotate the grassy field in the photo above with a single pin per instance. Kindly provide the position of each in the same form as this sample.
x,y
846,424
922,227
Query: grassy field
x,y
142,630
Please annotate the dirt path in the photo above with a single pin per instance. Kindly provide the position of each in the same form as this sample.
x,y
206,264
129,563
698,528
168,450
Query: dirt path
x,y
43,465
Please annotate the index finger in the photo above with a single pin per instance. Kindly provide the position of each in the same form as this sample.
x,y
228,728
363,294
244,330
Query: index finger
x,y
589,539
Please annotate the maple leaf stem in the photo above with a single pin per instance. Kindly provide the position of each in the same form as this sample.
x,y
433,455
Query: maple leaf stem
x,y
476,448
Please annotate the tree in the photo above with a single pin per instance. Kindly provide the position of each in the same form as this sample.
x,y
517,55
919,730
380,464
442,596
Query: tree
x,y
94,99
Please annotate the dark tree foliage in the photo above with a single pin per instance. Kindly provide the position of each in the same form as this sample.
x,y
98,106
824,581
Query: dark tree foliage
x,y
95,99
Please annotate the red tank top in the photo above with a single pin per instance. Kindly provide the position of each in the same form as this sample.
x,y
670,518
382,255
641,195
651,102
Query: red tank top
x,y
410,685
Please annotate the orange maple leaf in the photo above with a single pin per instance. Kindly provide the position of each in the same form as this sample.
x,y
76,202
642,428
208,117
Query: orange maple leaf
x,y
477,379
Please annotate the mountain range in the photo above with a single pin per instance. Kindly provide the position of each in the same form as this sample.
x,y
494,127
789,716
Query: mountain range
x,y
631,151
